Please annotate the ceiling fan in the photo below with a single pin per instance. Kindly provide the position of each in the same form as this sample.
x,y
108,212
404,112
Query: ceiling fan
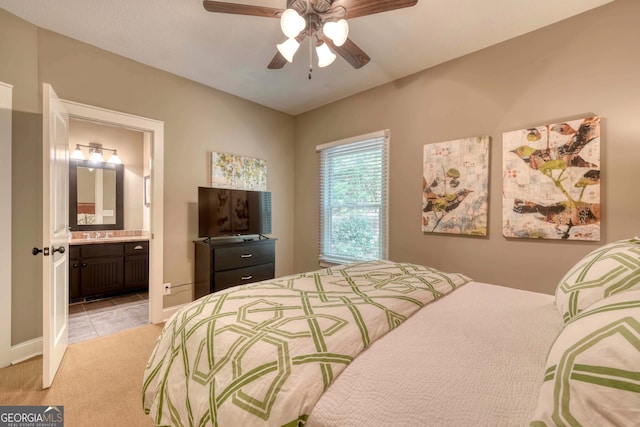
x,y
323,22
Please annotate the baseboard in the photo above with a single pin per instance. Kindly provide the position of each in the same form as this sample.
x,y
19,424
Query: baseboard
x,y
32,348
168,312
26,350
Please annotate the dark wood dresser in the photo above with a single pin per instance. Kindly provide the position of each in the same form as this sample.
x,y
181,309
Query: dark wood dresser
x,y
222,264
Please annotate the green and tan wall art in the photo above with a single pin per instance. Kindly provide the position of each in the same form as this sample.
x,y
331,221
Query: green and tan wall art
x,y
551,181
455,186
241,172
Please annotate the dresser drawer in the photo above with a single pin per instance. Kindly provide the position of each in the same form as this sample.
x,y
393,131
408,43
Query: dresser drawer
x,y
240,276
243,256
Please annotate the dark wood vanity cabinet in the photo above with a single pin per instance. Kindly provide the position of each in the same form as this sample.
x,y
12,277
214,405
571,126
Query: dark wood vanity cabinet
x,y
220,265
136,265
103,269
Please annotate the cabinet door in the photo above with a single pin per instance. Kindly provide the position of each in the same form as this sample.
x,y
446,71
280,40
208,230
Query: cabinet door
x,y
74,273
74,279
136,272
101,275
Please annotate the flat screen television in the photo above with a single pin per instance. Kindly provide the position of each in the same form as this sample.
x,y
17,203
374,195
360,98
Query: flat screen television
x,y
229,212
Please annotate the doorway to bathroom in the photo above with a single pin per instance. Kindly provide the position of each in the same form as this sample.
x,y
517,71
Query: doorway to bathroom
x,y
138,143
108,214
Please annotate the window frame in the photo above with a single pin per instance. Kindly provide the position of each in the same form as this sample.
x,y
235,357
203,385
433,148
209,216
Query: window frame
x,y
364,143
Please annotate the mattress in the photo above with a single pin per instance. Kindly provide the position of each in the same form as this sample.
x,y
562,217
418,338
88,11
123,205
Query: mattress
x,y
482,365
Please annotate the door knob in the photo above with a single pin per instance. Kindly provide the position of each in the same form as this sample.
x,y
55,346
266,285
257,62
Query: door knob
x,y
36,251
60,249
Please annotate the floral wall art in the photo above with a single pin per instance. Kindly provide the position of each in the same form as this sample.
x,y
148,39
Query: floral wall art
x,y
241,172
551,181
455,186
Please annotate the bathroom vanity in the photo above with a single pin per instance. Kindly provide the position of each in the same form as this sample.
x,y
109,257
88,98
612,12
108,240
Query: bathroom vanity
x,y
107,266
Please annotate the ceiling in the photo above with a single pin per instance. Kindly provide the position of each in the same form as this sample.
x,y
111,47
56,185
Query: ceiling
x,y
231,52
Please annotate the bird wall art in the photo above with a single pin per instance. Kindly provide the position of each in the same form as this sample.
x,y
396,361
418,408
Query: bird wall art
x,y
455,186
551,181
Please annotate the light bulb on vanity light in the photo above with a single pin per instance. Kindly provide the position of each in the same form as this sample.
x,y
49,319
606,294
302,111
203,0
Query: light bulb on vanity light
x,y
96,156
115,159
77,153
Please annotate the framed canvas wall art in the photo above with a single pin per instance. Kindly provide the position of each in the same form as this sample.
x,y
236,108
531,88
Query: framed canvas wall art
x,y
240,172
455,186
551,181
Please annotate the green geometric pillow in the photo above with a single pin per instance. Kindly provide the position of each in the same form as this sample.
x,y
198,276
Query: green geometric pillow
x,y
605,271
592,375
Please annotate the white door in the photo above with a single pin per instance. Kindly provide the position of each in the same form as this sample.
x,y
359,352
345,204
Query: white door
x,y
55,233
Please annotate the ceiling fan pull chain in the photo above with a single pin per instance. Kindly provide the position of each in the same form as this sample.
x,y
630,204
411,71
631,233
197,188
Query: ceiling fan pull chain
x,y
310,56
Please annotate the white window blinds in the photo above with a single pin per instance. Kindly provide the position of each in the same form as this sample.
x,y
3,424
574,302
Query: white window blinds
x,y
353,198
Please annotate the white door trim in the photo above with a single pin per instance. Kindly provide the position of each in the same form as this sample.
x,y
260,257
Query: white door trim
x,y
5,223
156,129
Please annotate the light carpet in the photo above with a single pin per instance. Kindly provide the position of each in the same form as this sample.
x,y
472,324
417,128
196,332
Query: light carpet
x,y
99,382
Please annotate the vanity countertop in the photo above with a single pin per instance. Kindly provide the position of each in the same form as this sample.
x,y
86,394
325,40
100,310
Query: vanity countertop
x,y
116,239
112,236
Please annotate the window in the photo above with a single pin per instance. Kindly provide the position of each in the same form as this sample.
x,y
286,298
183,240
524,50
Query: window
x,y
353,198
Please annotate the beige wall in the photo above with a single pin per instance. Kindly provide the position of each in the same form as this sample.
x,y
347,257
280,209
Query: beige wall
x,y
19,67
585,65
197,120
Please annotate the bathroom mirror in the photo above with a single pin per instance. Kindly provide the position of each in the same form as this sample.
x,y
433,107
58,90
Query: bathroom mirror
x,y
95,195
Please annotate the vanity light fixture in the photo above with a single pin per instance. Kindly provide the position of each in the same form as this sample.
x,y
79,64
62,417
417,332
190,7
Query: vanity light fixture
x,y
95,153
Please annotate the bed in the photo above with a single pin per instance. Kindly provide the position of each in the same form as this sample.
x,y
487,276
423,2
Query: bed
x,y
408,345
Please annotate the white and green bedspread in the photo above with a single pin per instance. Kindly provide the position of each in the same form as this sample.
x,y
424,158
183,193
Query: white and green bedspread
x,y
263,354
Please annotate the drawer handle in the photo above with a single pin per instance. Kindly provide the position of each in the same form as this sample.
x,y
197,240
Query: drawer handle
x,y
138,248
246,255
246,278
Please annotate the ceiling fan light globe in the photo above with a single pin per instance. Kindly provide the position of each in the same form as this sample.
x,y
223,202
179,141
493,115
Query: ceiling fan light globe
x,y
288,48
337,31
325,56
292,23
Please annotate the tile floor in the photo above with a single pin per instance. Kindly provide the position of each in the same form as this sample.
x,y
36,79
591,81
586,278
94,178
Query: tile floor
x,y
103,317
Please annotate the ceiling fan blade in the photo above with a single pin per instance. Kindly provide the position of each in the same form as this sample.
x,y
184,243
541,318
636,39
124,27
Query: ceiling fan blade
x,y
241,9
277,62
356,8
350,52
